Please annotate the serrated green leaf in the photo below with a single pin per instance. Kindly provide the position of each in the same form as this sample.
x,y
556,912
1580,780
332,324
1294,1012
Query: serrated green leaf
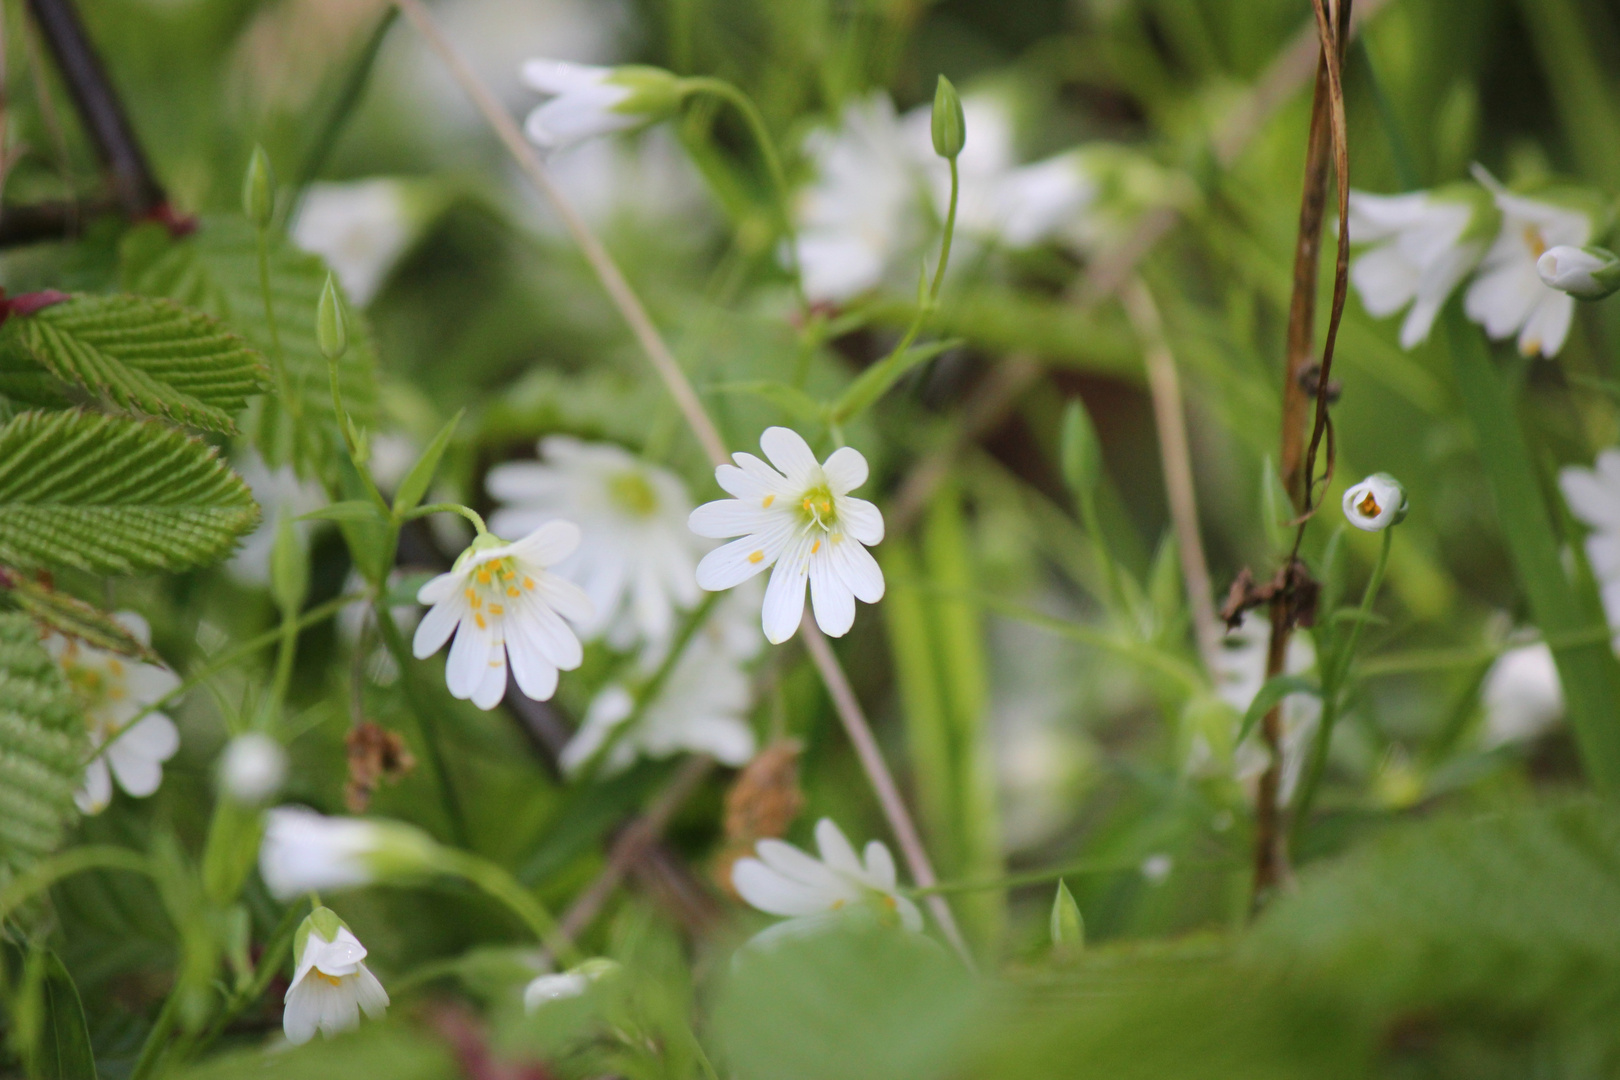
x,y
415,484
42,746
140,353
115,496
72,617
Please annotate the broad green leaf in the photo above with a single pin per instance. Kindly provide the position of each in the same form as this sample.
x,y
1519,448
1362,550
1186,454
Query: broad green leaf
x,y
140,353
875,381
1271,694
416,482
115,496
42,746
388,1050
62,1050
72,617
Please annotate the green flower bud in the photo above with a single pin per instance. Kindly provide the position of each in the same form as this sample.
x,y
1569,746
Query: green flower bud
x,y
330,332
1068,928
949,123
258,189
1081,453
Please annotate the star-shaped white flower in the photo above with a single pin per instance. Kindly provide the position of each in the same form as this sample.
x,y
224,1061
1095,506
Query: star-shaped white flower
x,y
111,690
637,557
331,983
784,880
801,520
501,601
1422,247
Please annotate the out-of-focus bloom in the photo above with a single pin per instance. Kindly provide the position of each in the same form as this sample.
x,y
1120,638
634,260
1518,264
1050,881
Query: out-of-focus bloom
x,y
112,689
1522,695
360,228
588,100
331,983
1593,496
278,492
1423,244
252,768
784,880
1156,868
1586,273
500,601
566,984
637,557
803,521
304,851
1239,675
1376,503
1509,295
861,211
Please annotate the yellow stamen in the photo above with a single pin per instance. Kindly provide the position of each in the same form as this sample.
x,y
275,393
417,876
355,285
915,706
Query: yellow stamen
x,y
889,902
335,980
1369,506
114,666
756,557
815,547
483,575
1532,237
837,538
512,590
478,617
1530,348
768,500
528,583
496,609
837,904
472,597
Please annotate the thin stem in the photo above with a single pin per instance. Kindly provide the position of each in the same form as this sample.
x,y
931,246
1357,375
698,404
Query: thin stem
x,y
394,641
286,653
156,1039
950,234
501,885
348,434
270,964
448,508
1044,877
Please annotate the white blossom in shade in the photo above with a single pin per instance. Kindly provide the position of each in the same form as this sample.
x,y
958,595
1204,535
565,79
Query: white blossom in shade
x,y
800,519
861,212
566,984
1376,503
1508,296
252,768
1422,245
361,229
1593,496
783,880
1521,695
1240,672
1586,273
637,557
587,100
112,690
304,851
1156,868
278,492
331,984
501,602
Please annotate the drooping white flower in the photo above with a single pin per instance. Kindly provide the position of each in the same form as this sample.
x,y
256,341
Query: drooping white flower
x,y
566,984
589,101
1240,672
1593,496
1508,295
1376,503
861,212
801,520
279,492
784,880
111,690
304,851
331,984
1586,273
252,768
1522,695
1423,245
637,557
360,228
500,601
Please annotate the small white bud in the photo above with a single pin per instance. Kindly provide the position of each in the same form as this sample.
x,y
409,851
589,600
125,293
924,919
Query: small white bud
x,y
566,984
253,768
308,852
1376,503
1587,273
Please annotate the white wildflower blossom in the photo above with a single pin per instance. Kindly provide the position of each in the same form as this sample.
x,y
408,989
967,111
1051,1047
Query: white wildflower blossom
x,y
783,880
331,984
360,228
501,600
279,492
304,851
800,518
1422,245
1521,695
1376,503
587,100
112,690
252,768
1586,273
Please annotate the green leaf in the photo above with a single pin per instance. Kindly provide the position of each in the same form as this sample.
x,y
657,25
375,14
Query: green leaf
x,y
62,1051
140,353
377,1050
1275,689
72,617
115,496
42,746
416,482
875,381
1081,451
1068,929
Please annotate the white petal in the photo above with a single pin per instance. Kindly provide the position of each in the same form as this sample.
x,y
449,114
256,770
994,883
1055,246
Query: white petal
x,y
859,572
1548,325
835,848
302,1011
437,626
789,452
831,599
1590,499
846,470
910,917
438,589
784,596
369,993
492,687
730,517
861,520
138,764
96,793
543,629
775,894
880,866
1386,280
536,676
548,545
727,739
561,76
468,660
565,598
734,563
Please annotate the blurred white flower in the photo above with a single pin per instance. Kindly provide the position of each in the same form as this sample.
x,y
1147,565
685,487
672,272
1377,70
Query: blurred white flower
x,y
1239,675
277,492
1593,496
331,984
784,880
641,180
1156,868
1376,503
360,228
500,601
392,455
1423,244
566,984
1509,295
637,558
304,851
803,521
112,689
1586,273
252,768
588,100
1522,695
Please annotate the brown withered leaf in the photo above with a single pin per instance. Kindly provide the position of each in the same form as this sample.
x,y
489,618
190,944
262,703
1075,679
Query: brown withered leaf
x,y
1292,584
375,754
760,805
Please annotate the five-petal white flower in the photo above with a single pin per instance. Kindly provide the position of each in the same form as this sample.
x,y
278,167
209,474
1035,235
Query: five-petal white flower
x,y
112,690
501,601
1376,503
637,557
801,520
331,984
1423,246
784,880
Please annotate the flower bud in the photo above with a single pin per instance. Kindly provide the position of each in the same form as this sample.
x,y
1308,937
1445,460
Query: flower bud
x,y
258,189
1376,503
949,123
308,852
1067,927
567,984
1081,453
253,768
1586,273
289,566
330,332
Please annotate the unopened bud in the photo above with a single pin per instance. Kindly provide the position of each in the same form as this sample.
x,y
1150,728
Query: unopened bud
x,y
1081,453
258,189
1376,503
331,333
1586,273
949,123
253,768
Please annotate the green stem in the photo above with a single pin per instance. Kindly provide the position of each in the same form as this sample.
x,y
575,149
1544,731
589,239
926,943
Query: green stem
x,y
394,641
1044,877
348,433
501,885
286,653
270,963
156,1039
448,508
950,233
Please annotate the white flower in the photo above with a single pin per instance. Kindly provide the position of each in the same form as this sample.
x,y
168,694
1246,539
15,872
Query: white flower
x,y
111,689
589,101
1593,496
861,212
803,521
637,557
1509,295
500,601
1239,675
278,492
1587,273
1522,695
566,984
1376,503
784,880
1156,868
1423,245
331,984
252,768
361,229
308,852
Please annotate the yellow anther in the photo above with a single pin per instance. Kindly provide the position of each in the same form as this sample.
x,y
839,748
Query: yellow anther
x,y
512,590
815,547
768,500
335,980
478,617
483,575
496,609
1532,237
114,666
757,556
888,902
837,538
837,905
528,583
826,506
1369,506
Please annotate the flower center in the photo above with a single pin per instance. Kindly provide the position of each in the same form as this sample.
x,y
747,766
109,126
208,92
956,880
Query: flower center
x,y
816,508
1533,238
492,587
96,686
335,980
1369,506
632,494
